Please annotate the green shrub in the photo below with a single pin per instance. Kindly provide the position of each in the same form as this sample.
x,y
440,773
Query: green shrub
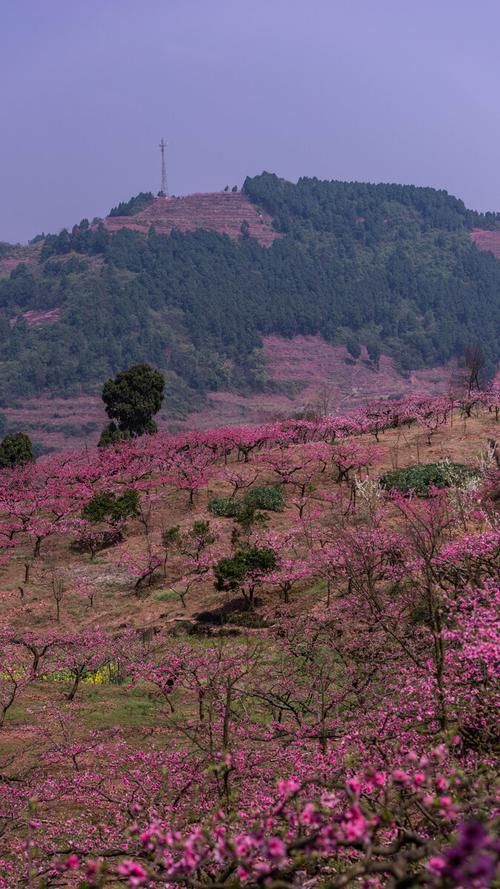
x,y
420,478
249,561
183,627
106,506
269,497
224,506
247,619
111,435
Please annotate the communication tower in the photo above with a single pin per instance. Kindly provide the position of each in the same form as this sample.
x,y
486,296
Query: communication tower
x,y
164,183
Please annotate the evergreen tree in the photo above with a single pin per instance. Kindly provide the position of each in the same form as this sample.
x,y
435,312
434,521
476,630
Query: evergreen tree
x,y
133,398
16,449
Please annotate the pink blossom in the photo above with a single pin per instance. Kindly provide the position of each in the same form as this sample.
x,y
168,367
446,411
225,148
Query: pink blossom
x,y
436,864
354,785
276,849
308,814
72,862
134,871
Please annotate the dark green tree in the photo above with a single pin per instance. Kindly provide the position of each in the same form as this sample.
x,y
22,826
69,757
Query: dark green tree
x,y
373,352
353,347
111,435
16,449
134,205
106,506
243,571
133,398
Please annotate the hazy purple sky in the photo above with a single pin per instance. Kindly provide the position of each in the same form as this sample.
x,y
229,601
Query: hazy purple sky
x,y
379,90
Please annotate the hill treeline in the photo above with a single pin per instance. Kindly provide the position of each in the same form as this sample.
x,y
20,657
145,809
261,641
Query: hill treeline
x,y
387,266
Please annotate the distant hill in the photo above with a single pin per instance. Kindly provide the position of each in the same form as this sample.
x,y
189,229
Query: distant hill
x,y
193,284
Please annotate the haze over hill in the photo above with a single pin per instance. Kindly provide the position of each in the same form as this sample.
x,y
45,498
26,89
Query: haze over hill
x,y
207,286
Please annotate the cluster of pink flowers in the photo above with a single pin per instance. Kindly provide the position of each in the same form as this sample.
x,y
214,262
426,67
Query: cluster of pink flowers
x,y
372,710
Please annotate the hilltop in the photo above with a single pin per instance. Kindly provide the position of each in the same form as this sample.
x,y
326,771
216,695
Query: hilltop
x,y
220,212
215,289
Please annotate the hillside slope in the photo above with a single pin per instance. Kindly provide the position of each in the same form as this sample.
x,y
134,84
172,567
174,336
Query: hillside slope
x,y
317,667
306,376
195,285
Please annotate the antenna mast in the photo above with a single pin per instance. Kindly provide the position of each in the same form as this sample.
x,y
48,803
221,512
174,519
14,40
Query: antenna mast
x,y
164,184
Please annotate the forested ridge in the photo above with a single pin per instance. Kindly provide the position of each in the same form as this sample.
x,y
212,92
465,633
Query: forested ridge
x,y
387,266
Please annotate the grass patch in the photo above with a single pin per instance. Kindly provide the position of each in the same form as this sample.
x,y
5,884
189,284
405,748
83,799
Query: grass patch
x,y
166,595
118,706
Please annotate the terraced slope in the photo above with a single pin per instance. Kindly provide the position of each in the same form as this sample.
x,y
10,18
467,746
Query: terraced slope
x,y
214,211
487,240
11,255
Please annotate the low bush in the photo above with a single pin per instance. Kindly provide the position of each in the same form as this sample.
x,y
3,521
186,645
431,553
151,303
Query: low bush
x,y
180,627
224,507
268,497
420,478
247,619
216,616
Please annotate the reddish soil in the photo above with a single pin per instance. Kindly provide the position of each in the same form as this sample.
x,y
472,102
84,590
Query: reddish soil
x,y
8,263
59,422
38,318
312,360
312,375
305,373
217,211
487,240
28,254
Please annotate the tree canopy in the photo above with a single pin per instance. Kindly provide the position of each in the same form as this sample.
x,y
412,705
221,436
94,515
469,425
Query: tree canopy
x,y
133,397
16,449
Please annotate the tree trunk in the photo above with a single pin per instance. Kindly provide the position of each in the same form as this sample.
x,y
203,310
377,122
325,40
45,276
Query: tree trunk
x,y
74,688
